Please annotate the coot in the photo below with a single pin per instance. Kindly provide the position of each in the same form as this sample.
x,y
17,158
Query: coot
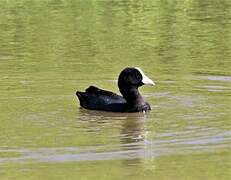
x,y
129,80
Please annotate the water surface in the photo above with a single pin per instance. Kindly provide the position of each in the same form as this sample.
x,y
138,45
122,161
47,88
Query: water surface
x,y
49,49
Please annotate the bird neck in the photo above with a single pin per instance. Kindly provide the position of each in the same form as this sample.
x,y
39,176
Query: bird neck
x,y
132,96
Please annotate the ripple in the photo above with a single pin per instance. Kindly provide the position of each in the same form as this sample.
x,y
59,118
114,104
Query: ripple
x,y
172,144
216,78
214,88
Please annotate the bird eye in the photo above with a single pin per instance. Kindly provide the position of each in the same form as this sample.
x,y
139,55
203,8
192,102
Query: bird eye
x,y
137,76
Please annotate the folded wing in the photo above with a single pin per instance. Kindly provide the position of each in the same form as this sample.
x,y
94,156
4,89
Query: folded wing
x,y
98,99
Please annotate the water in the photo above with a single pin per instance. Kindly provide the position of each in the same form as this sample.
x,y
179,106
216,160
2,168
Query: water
x,y
49,49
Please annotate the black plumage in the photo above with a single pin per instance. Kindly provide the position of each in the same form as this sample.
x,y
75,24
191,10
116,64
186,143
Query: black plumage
x,y
130,79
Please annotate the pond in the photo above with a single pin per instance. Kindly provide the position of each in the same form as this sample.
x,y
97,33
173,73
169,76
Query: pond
x,y
51,48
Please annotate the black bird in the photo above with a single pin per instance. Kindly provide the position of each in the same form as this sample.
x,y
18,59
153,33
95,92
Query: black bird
x,y
129,80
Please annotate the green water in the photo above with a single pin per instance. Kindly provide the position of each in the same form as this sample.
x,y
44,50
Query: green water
x,y
51,48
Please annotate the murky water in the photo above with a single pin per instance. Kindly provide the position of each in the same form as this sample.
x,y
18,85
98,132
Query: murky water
x,y
49,49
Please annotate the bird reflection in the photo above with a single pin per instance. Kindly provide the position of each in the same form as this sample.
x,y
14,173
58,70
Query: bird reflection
x,y
132,125
133,135
132,128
